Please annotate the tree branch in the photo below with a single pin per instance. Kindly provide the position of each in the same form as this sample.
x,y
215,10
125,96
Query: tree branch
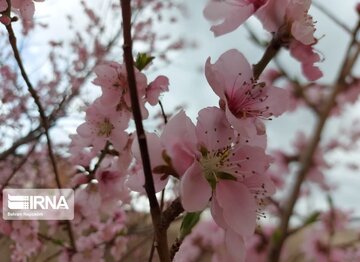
x,y
160,233
18,167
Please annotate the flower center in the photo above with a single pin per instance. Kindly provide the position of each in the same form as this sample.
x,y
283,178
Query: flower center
x,y
214,165
105,128
250,102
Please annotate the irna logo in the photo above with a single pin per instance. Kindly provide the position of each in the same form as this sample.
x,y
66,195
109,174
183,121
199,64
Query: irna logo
x,y
37,202
41,204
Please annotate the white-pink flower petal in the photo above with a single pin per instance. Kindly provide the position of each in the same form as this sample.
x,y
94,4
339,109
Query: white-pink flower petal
x,y
195,191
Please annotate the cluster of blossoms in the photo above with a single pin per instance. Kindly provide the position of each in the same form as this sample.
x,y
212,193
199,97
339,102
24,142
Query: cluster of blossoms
x,y
287,20
108,117
220,162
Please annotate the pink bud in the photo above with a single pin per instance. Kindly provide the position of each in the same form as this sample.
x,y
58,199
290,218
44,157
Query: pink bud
x,y
4,19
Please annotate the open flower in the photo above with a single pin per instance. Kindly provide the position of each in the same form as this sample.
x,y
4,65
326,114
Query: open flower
x,y
227,174
112,78
246,101
102,125
136,179
289,19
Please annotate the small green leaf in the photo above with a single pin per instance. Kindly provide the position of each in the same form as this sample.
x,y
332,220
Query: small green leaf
x,y
59,242
142,60
189,221
312,218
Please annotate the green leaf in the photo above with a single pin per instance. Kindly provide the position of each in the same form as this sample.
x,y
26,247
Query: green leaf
x,y
312,218
189,221
142,60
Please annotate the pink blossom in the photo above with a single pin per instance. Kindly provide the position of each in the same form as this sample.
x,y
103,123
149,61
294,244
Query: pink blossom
x,y
292,14
232,13
25,235
3,5
84,212
104,125
155,88
4,19
26,8
179,140
226,173
307,57
246,101
280,17
136,180
112,78
111,183
81,154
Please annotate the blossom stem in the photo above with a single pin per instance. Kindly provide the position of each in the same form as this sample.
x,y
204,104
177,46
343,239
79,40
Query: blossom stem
x,y
306,158
160,232
271,50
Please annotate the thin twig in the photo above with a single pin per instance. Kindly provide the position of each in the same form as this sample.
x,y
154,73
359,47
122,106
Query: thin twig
x,y
271,51
18,167
163,112
171,213
34,134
